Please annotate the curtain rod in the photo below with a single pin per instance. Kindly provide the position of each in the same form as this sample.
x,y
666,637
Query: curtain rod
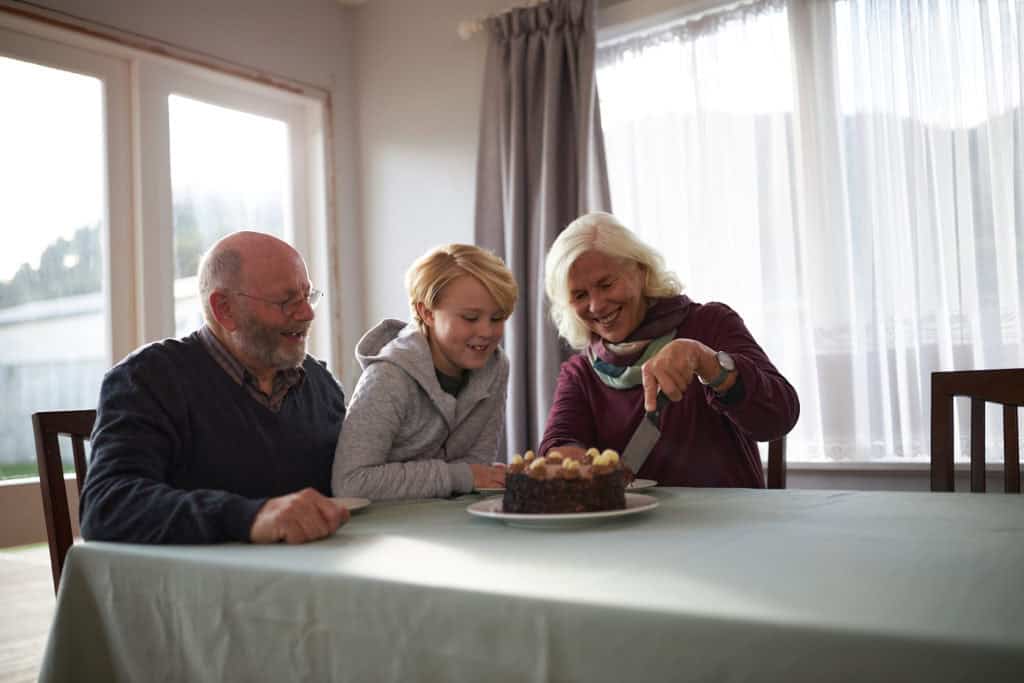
x,y
467,28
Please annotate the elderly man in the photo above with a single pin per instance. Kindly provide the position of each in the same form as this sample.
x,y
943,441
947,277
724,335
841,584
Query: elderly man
x,y
227,434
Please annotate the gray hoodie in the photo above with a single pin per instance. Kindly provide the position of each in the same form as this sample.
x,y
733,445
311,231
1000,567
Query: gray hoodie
x,y
403,436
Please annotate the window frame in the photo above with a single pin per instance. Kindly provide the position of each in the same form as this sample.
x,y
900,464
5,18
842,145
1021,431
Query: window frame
x,y
116,234
136,238
157,81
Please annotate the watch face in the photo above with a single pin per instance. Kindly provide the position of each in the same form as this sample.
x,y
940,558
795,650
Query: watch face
x,y
726,361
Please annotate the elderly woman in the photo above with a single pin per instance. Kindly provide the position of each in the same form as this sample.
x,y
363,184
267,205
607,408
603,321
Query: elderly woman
x,y
637,335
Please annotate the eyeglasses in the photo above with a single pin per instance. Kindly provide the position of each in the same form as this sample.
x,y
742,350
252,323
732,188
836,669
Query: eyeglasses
x,y
290,307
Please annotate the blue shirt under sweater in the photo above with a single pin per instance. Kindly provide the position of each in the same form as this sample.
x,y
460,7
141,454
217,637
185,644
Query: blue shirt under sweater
x,y
181,453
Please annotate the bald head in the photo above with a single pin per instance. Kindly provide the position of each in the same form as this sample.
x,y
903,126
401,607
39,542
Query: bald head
x,y
238,260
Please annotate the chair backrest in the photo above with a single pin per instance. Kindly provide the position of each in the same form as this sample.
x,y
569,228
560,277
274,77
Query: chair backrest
x,y
1005,387
777,463
48,426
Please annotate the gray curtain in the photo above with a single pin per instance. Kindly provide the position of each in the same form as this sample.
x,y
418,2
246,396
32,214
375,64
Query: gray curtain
x,y
541,164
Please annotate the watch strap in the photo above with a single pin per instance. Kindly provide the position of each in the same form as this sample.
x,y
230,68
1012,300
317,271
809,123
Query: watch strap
x,y
722,375
719,379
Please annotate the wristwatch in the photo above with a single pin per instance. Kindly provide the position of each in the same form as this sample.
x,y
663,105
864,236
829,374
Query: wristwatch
x,y
726,366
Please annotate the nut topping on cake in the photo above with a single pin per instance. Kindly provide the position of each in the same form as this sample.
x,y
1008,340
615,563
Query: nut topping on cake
x,y
608,458
538,468
570,469
517,464
606,462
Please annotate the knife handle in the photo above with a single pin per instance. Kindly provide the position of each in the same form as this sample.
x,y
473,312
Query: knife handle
x,y
663,401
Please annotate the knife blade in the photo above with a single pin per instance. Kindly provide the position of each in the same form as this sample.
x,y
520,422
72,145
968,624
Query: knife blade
x,y
644,437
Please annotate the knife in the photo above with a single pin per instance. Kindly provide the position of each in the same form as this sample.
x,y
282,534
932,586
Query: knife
x,y
646,435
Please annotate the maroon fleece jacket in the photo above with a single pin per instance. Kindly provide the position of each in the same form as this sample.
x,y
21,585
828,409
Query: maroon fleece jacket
x,y
705,440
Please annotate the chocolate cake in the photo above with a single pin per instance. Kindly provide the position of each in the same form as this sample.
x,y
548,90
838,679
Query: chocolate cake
x,y
557,485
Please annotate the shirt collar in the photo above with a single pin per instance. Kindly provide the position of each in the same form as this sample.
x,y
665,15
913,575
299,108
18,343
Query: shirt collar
x,y
238,372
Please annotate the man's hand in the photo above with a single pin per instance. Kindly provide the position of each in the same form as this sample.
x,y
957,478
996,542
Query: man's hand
x,y
298,518
488,476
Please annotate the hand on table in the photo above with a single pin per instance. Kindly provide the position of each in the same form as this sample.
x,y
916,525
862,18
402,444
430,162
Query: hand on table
x,y
673,368
298,517
488,476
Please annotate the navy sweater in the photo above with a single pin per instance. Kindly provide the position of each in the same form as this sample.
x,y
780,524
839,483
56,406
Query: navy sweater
x,y
182,454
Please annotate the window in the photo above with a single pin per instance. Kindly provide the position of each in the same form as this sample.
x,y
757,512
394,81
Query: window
x,y
229,170
51,266
843,174
111,187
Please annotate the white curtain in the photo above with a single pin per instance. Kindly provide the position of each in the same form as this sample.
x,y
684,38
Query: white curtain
x,y
848,176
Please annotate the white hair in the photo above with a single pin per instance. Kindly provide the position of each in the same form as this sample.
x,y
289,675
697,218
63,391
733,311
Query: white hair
x,y
603,232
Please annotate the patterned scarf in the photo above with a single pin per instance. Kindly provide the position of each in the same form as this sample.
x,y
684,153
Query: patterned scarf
x,y
618,365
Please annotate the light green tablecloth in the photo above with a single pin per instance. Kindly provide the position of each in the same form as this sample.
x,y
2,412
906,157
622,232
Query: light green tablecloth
x,y
724,585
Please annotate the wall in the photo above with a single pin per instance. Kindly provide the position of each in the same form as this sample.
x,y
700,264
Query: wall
x,y
418,102
418,98
23,521
305,40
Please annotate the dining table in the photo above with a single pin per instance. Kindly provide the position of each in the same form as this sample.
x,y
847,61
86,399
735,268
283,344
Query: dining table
x,y
701,584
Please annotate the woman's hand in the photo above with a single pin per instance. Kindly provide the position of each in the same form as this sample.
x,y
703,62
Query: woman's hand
x,y
488,476
673,368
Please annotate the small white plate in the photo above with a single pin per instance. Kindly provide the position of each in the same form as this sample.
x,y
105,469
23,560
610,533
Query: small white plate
x,y
491,508
354,504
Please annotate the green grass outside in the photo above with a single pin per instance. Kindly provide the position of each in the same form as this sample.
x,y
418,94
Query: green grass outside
x,y
25,469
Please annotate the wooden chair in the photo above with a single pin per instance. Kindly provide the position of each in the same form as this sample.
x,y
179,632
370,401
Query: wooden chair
x,y
48,426
777,463
1005,387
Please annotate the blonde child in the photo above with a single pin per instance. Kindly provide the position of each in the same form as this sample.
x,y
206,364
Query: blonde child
x,y
428,411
